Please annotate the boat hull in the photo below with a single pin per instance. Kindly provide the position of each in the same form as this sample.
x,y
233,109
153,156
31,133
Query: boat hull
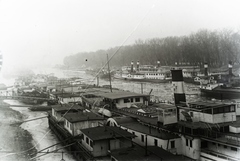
x,y
221,93
190,80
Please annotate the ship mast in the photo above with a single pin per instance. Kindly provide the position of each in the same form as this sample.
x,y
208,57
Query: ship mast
x,y
109,74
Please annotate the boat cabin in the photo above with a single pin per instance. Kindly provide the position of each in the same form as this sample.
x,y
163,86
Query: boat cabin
x,y
208,112
100,140
59,110
167,113
146,135
123,99
75,122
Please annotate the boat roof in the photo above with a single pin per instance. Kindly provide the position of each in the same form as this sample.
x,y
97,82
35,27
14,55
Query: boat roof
x,y
136,126
163,106
121,94
202,105
67,95
81,116
138,154
66,107
106,132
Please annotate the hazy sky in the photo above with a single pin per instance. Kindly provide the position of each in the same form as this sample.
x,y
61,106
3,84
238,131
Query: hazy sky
x,y
42,32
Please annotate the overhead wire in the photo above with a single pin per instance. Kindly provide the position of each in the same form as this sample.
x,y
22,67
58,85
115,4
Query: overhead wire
x,y
88,84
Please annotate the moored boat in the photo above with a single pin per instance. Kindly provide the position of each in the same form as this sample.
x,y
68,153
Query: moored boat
x,y
228,87
145,73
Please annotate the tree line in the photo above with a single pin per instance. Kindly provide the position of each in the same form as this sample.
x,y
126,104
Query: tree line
x,y
216,48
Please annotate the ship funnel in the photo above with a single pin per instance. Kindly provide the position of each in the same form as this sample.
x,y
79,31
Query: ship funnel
x,y
177,82
158,63
137,65
230,68
206,69
131,66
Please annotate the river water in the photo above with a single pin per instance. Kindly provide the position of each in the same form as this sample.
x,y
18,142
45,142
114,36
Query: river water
x,y
22,141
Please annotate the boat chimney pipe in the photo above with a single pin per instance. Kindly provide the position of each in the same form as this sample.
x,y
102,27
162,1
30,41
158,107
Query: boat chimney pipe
x,y
177,82
158,63
206,69
230,68
131,66
137,65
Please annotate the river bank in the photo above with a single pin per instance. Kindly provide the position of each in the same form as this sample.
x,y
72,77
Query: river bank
x,y
22,141
16,142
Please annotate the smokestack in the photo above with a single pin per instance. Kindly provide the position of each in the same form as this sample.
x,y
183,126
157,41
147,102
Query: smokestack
x,y
206,69
158,63
177,81
131,66
230,68
137,65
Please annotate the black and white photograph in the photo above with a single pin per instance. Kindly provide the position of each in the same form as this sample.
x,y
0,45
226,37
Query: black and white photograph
x,y
119,80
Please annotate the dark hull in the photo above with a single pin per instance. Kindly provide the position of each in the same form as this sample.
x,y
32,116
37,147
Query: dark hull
x,y
32,102
190,80
221,93
40,108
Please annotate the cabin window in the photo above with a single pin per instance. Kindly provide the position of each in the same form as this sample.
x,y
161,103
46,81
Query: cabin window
x,y
227,109
220,110
191,114
191,143
155,142
186,142
234,149
232,108
142,138
91,143
209,111
172,144
137,99
87,140
70,126
125,100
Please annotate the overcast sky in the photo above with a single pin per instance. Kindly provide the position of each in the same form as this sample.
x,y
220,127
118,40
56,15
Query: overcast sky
x,y
43,32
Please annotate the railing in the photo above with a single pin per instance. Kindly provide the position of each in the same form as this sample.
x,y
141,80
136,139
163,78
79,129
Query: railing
x,y
219,155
